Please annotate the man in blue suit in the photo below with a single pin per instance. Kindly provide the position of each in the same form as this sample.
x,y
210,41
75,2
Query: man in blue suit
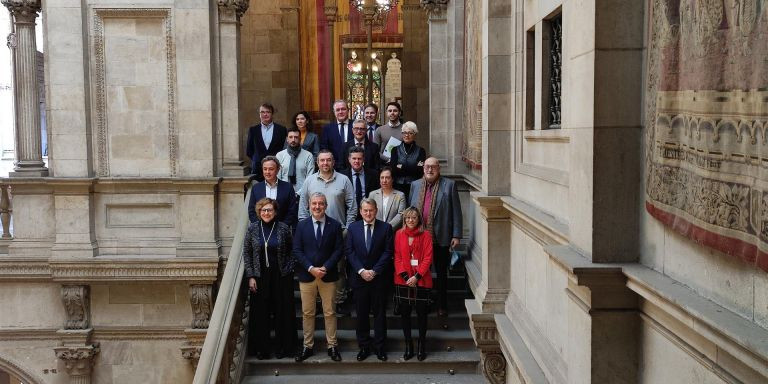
x,y
318,247
369,253
264,139
275,189
336,134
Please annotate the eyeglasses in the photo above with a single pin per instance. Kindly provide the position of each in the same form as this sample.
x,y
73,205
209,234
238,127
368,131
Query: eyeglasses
x,y
267,210
358,129
431,167
409,133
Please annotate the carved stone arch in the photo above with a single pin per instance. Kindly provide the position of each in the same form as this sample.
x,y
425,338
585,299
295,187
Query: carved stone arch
x,y
724,124
15,370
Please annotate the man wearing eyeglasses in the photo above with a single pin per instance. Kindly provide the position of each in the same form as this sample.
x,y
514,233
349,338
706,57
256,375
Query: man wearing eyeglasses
x,y
370,149
438,201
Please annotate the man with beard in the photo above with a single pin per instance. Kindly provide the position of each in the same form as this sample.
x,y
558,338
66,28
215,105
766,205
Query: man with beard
x,y
391,129
296,163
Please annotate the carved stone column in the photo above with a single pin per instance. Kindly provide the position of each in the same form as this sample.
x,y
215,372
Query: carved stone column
x,y
29,158
330,10
435,8
227,41
483,328
79,361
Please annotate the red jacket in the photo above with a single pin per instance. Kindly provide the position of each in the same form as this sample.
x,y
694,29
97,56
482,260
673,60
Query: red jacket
x,y
422,251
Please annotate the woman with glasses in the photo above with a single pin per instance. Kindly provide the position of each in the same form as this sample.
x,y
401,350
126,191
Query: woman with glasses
x,y
413,280
269,271
407,159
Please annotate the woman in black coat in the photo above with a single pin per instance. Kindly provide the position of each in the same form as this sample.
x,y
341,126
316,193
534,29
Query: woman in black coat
x,y
407,160
310,141
269,271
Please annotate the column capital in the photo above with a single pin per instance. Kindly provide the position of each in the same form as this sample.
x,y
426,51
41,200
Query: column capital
x,y
77,359
24,11
237,6
435,8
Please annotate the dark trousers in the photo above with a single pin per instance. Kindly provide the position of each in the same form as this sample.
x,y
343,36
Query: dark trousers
x,y
272,307
441,259
421,318
371,296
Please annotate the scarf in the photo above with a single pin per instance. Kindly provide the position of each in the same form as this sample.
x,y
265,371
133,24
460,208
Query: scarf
x,y
294,152
415,247
422,195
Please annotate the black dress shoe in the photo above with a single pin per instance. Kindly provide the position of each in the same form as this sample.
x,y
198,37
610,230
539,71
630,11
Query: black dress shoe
x,y
262,355
342,310
305,354
421,348
363,354
381,355
408,350
279,355
333,352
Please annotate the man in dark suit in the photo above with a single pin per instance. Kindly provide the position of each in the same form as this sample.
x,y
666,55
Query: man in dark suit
x,y
371,149
438,201
318,247
363,180
369,253
371,113
337,133
275,189
265,139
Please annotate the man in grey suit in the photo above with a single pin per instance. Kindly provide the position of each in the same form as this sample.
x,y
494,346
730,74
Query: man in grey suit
x,y
438,201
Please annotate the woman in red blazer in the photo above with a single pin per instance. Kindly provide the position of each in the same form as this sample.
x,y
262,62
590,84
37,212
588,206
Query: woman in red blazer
x,y
413,280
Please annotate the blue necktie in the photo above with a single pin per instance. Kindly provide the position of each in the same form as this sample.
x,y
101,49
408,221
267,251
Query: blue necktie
x,y
368,237
318,234
371,129
358,189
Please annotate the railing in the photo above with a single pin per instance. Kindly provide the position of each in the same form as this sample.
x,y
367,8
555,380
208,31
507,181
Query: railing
x,y
227,336
6,209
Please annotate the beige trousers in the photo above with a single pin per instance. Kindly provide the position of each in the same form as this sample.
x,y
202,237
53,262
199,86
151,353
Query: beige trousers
x,y
309,293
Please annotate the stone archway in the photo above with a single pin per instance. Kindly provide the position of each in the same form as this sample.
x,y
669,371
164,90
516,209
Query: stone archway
x,y
17,372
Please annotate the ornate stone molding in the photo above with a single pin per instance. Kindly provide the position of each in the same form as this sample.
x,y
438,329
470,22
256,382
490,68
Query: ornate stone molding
x,y
10,41
200,297
77,304
15,268
23,11
486,336
192,353
201,269
78,360
435,8
99,43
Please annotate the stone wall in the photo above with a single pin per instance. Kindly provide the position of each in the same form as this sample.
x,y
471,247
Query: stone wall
x,y
269,61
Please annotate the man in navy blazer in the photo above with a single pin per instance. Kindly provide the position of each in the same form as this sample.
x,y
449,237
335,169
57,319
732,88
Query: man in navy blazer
x,y
264,139
336,134
369,148
368,178
369,253
275,189
318,247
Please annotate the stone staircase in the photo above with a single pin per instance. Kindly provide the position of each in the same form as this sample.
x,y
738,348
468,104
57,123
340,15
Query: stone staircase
x,y
451,354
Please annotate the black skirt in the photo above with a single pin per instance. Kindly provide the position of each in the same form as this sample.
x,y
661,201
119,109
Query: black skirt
x,y
411,295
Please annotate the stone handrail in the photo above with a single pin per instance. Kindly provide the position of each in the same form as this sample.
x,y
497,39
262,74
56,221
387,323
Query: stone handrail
x,y
224,345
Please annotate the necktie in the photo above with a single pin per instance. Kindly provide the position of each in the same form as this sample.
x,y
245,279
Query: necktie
x,y
371,129
360,145
341,133
318,234
358,189
368,237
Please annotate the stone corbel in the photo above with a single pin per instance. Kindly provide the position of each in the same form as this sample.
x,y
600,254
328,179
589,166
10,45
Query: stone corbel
x,y
76,299
200,297
78,360
435,8
193,347
483,328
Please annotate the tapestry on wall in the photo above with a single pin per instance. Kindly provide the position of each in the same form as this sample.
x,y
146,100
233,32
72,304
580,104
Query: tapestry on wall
x,y
707,113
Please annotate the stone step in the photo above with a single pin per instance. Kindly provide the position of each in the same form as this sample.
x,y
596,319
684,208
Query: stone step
x,y
437,341
461,362
404,378
454,321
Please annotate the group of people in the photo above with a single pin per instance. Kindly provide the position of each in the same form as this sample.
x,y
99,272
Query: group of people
x,y
358,214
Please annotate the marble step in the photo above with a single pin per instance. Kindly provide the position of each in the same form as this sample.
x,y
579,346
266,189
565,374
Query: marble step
x,y
459,362
454,321
403,378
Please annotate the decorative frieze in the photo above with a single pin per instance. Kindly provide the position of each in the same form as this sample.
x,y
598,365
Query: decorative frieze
x,y
134,270
76,299
435,8
200,297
